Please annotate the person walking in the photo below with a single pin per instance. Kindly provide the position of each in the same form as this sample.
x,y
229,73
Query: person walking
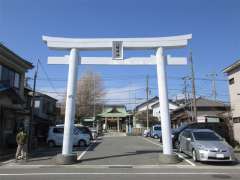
x,y
21,139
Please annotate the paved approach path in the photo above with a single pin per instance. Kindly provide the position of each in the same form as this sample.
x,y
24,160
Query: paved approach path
x,y
128,150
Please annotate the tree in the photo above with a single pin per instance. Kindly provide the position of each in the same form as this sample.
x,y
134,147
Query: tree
x,y
90,95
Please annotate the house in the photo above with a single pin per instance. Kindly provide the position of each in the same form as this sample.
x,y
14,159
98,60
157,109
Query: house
x,y
13,113
115,118
154,112
44,113
207,111
143,106
233,73
156,108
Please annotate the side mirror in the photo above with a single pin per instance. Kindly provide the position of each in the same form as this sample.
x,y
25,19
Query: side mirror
x,y
189,139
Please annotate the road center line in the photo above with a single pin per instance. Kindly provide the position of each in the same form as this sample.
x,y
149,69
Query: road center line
x,y
84,152
179,155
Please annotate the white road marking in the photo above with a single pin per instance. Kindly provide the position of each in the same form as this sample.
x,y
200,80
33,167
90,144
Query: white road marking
x,y
179,155
84,152
189,162
8,161
120,173
152,142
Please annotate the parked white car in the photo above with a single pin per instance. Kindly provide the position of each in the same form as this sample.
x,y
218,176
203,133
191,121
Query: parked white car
x,y
55,137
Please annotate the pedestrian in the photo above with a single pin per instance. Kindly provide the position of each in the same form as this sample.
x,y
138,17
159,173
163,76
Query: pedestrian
x,y
21,139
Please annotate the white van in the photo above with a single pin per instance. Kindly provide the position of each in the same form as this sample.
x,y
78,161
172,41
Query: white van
x,y
55,137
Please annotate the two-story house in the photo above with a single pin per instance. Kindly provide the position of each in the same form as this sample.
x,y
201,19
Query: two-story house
x,y
153,110
233,73
44,113
207,111
12,111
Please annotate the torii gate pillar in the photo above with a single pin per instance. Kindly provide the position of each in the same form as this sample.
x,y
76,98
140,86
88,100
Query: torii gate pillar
x,y
67,157
163,98
70,102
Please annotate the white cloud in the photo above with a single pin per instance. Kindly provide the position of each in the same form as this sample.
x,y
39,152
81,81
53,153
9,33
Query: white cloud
x,y
123,95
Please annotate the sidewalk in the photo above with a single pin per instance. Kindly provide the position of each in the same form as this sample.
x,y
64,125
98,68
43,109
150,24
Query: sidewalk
x,y
6,154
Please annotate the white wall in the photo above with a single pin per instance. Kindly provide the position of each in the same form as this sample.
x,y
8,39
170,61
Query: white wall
x,y
144,108
156,109
234,90
236,130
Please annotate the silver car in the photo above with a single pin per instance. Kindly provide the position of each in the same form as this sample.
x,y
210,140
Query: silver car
x,y
205,145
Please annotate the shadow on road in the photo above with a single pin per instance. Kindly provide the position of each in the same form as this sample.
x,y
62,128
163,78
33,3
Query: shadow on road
x,y
122,155
50,153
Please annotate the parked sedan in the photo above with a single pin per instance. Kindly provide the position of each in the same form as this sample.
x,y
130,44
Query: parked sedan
x,y
205,145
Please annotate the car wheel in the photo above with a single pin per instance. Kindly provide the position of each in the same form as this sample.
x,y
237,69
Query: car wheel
x,y
176,145
155,136
194,155
179,149
51,144
82,143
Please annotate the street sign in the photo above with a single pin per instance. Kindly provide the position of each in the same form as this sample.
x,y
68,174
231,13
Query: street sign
x,y
117,50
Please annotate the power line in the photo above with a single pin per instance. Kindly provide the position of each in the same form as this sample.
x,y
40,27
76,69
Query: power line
x,y
48,79
128,77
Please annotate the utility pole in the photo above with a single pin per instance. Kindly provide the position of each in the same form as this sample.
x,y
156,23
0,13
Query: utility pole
x,y
147,94
185,78
32,110
193,89
214,90
94,100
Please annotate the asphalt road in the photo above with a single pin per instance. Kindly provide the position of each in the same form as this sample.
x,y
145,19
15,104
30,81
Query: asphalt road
x,y
87,173
117,158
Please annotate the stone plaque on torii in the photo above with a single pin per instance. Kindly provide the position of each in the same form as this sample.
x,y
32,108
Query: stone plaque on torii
x,y
117,46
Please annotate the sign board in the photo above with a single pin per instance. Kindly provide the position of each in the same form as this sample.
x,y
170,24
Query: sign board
x,y
117,50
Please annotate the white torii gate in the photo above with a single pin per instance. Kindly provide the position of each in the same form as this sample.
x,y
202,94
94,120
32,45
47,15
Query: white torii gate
x,y
117,45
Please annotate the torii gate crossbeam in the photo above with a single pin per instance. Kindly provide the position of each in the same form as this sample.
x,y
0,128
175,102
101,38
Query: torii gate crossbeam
x,y
75,45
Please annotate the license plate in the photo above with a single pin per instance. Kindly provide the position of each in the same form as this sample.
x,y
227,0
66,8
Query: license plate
x,y
220,155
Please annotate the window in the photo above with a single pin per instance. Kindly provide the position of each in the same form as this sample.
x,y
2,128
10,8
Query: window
x,y
157,128
9,78
58,130
17,80
37,103
206,136
76,131
231,81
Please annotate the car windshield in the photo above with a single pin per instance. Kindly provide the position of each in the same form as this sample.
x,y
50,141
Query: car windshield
x,y
157,128
206,136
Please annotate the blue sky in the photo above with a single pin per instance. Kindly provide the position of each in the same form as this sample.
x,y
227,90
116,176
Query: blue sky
x,y
214,24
